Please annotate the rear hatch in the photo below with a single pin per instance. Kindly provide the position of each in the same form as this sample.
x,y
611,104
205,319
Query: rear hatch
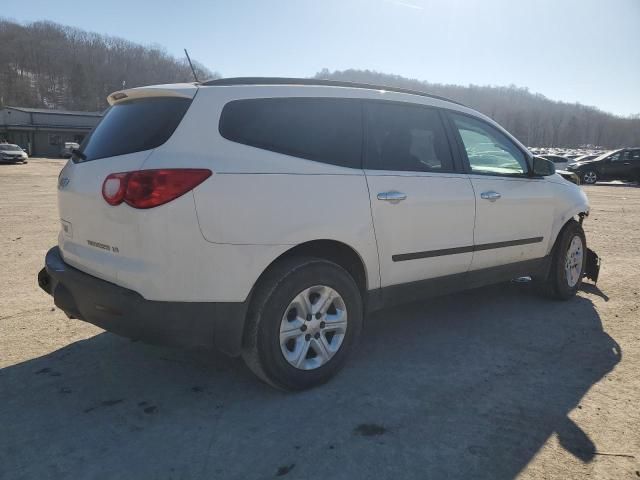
x,y
96,237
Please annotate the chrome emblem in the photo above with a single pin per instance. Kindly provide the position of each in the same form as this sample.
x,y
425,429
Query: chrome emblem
x,y
63,182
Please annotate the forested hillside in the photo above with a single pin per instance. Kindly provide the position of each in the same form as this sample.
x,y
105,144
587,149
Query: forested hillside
x,y
532,118
44,64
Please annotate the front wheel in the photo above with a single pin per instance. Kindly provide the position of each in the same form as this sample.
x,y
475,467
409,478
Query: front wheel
x,y
304,319
590,177
567,264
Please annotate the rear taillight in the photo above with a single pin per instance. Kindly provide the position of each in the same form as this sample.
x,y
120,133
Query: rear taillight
x,y
150,188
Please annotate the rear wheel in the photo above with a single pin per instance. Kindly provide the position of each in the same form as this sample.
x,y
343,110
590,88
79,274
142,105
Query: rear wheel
x,y
590,177
568,263
305,317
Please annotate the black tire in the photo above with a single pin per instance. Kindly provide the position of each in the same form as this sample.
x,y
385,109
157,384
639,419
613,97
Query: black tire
x,y
590,177
556,285
261,350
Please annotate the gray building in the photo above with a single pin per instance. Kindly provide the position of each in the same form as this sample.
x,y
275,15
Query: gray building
x,y
42,132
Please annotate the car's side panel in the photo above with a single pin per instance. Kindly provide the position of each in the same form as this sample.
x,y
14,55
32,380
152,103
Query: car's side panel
x,y
421,289
516,226
415,235
289,210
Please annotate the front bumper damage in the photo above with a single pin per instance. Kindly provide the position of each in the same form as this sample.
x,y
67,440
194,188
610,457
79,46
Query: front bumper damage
x,y
592,269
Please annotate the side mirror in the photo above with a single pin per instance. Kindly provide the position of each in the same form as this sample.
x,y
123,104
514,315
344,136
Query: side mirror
x,y
543,167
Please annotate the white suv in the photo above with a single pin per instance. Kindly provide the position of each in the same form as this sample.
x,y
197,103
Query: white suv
x,y
266,217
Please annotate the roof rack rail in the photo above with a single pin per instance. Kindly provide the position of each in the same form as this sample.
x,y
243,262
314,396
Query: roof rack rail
x,y
311,81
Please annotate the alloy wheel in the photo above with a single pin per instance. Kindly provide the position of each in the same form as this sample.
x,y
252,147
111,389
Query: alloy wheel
x,y
573,261
313,327
590,177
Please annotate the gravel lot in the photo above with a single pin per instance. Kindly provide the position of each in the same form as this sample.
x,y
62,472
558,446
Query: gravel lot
x,y
496,383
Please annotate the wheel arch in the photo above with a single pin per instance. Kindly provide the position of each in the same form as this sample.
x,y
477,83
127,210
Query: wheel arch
x,y
333,250
575,214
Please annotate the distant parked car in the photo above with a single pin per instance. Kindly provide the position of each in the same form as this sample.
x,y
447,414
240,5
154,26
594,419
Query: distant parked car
x,y
10,153
585,158
559,161
621,164
68,148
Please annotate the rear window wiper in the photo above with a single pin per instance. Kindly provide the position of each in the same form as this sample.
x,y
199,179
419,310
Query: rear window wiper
x,y
78,154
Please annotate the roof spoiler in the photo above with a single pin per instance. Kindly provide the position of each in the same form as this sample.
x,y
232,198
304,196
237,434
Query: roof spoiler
x,y
179,90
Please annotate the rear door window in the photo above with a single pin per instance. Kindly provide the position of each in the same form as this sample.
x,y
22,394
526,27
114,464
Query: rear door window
x,y
406,138
632,155
133,126
327,130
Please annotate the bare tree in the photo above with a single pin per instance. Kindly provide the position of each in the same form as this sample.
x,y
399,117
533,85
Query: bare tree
x,y
43,64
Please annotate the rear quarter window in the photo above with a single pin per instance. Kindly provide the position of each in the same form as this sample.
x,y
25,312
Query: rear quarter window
x,y
133,126
327,130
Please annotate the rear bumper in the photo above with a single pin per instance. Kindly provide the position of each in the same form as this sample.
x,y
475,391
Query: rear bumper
x,y
126,313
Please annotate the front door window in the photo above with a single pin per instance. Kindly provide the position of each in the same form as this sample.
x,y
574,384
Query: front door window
x,y
489,151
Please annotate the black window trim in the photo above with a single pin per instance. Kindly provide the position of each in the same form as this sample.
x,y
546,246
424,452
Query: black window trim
x,y
463,152
457,166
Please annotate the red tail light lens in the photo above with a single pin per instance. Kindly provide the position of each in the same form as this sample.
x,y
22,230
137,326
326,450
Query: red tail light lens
x,y
150,188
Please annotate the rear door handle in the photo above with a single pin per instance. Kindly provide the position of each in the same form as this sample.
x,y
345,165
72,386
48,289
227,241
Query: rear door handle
x,y
491,196
392,196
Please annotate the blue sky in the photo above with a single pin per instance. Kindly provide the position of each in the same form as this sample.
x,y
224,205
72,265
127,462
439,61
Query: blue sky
x,y
572,50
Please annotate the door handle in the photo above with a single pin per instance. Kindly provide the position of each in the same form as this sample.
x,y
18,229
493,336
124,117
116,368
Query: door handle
x,y
491,196
392,196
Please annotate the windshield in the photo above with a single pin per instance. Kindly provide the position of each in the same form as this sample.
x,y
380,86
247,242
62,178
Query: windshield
x,y
7,147
606,154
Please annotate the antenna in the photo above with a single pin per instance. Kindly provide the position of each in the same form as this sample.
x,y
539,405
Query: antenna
x,y
193,70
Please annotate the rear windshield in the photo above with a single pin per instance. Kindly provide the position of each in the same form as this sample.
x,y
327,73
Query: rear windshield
x,y
133,126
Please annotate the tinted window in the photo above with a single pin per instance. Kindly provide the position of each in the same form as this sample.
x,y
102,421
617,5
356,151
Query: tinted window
x,y
615,157
406,138
134,126
327,130
632,155
489,150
